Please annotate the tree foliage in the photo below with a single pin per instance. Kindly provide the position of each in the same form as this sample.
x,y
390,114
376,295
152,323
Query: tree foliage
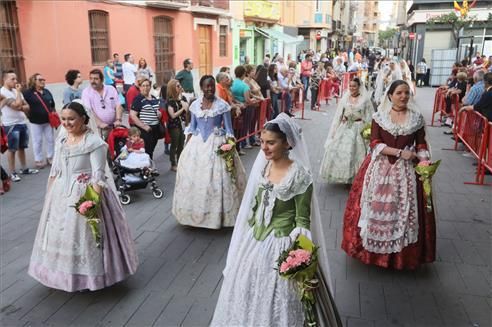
x,y
388,34
456,22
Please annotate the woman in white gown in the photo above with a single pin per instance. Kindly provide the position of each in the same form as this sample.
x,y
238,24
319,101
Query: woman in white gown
x,y
207,195
65,255
406,75
278,205
386,75
345,148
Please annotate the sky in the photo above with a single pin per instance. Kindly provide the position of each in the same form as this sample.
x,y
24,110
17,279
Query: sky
x,y
385,7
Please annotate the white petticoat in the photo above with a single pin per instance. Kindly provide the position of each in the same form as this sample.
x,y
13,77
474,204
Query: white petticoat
x,y
253,293
205,194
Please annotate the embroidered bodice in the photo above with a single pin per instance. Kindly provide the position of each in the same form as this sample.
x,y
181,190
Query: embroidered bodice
x,y
358,110
81,162
284,206
216,120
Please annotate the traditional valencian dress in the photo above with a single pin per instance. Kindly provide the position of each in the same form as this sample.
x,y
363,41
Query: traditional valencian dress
x,y
386,222
206,195
345,148
271,216
65,255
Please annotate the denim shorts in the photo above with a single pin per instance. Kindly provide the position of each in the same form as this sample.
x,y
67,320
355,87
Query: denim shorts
x,y
17,137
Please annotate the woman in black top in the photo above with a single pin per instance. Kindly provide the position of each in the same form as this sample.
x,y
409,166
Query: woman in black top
x,y
146,116
40,101
177,107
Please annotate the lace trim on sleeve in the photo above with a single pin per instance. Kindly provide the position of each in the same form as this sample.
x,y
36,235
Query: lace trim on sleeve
x,y
99,178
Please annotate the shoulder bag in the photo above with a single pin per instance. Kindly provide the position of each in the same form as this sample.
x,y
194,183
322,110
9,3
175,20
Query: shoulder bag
x,y
53,117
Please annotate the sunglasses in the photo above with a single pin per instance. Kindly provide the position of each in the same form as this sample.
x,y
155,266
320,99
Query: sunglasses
x,y
103,106
40,80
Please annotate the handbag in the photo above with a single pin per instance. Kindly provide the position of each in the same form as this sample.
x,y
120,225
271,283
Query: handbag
x,y
53,117
3,140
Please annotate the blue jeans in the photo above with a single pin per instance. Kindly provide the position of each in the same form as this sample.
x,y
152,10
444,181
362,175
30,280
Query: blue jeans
x,y
288,102
275,109
17,137
305,82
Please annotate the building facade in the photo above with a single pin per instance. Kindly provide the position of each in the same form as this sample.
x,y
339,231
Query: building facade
x,y
51,37
367,19
312,20
439,36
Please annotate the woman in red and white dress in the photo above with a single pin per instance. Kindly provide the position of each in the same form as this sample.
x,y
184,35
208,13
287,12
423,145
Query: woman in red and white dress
x,y
386,222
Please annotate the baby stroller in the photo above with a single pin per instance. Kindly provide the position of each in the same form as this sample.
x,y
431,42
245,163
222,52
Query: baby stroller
x,y
129,179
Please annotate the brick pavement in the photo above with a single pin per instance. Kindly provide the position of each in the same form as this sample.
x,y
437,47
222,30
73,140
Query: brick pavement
x,y
179,277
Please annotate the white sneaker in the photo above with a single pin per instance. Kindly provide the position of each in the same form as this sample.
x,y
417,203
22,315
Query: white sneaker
x,y
14,177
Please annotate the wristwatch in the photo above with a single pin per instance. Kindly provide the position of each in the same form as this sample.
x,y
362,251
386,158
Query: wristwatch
x,y
398,154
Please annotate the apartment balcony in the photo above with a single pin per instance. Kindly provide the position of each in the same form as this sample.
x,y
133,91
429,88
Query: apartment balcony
x,y
164,4
210,7
219,4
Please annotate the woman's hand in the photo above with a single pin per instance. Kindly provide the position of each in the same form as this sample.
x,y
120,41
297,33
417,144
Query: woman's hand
x,y
408,155
147,128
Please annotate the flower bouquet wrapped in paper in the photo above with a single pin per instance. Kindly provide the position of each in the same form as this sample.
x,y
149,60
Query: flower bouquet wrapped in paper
x,y
300,263
88,206
227,151
426,170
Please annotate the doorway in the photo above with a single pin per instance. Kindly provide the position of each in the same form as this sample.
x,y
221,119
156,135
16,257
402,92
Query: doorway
x,y
205,48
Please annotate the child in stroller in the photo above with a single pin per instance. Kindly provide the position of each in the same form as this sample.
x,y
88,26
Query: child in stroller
x,y
132,167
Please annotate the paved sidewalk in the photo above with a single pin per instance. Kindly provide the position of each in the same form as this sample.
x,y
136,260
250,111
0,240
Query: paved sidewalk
x,y
179,277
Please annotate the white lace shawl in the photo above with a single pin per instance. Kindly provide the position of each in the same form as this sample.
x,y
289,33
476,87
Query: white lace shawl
x,y
414,122
296,181
219,107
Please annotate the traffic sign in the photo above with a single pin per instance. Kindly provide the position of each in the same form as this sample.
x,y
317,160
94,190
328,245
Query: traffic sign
x,y
419,36
411,36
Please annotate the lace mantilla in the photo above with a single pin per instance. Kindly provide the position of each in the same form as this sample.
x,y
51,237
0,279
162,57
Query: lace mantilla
x,y
296,181
415,121
218,107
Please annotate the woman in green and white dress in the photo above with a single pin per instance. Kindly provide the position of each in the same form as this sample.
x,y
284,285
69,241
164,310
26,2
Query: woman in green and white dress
x,y
345,147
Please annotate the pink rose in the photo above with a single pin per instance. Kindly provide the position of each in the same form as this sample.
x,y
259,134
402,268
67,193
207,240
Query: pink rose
x,y
284,267
84,206
301,256
425,163
226,147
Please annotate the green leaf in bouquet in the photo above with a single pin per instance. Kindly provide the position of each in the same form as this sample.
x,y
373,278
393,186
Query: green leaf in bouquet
x,y
305,243
91,194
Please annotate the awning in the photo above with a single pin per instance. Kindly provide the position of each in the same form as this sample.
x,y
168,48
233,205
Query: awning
x,y
261,32
280,36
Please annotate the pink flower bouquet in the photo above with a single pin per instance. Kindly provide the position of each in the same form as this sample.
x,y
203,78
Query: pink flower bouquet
x,y
88,207
300,264
227,151
426,169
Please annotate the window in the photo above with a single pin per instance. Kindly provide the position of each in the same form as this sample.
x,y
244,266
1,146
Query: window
x,y
318,7
223,41
10,50
98,29
375,14
164,47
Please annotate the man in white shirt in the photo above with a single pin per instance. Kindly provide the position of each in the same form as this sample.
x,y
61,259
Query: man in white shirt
x,y
14,123
129,72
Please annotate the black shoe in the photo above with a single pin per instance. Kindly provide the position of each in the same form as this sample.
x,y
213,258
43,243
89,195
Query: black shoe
x,y
448,133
